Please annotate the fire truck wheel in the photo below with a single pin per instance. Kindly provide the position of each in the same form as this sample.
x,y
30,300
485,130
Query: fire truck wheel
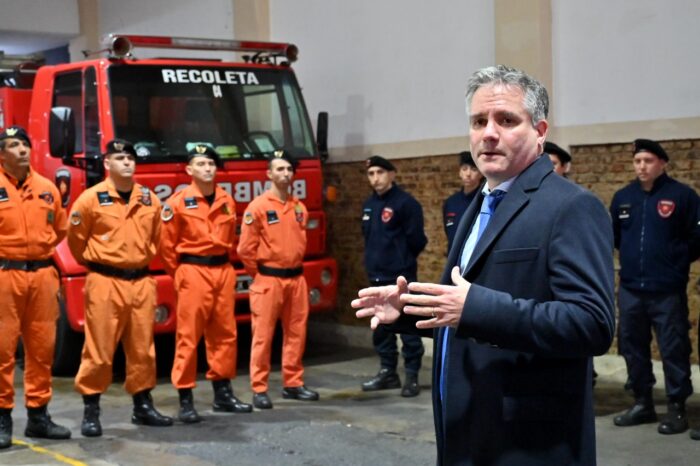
x,y
69,345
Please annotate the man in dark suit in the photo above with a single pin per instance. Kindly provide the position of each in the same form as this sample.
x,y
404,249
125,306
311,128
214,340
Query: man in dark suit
x,y
525,301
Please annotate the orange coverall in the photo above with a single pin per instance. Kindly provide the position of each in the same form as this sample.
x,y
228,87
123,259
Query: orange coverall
x,y
273,234
205,293
105,230
32,223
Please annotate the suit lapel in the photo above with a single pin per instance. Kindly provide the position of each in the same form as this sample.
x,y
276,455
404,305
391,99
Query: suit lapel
x,y
518,196
461,235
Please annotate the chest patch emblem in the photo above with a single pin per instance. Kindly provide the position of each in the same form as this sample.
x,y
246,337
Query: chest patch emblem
x,y
450,219
3,195
665,208
145,196
365,214
191,203
272,217
623,212
46,197
104,198
387,214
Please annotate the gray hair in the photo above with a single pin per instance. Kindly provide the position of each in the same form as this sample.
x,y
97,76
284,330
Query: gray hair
x,y
535,100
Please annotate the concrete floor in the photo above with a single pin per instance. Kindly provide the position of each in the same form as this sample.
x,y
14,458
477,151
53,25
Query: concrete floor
x,y
347,427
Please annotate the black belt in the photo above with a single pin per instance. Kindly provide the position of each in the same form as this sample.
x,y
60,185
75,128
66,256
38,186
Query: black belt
x,y
204,260
281,273
27,266
116,272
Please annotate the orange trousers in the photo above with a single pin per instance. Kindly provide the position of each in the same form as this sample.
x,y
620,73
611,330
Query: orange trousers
x,y
205,306
273,298
118,310
28,307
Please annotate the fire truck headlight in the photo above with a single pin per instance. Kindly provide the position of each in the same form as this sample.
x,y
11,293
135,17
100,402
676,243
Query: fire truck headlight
x,y
312,224
326,277
161,315
314,296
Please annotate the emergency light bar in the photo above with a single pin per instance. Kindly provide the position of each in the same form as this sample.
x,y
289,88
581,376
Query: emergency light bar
x,y
122,44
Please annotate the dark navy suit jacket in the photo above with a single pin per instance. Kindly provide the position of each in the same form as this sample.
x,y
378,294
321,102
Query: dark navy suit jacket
x,y
519,371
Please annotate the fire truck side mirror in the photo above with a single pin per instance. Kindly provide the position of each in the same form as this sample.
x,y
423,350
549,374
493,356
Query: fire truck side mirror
x,y
322,135
62,133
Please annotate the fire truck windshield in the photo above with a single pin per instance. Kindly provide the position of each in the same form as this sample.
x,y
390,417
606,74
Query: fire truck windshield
x,y
244,113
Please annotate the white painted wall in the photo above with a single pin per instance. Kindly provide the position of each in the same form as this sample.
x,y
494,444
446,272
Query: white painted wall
x,y
386,71
30,25
617,61
211,19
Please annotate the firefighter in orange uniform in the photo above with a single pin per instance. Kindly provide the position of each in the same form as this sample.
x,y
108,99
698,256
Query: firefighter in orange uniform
x,y
272,246
197,241
32,223
114,231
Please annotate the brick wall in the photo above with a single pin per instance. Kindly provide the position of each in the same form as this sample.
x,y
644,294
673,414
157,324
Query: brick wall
x,y
601,168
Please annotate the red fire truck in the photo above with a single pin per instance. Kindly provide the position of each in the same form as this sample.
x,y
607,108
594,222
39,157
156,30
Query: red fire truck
x,y
246,110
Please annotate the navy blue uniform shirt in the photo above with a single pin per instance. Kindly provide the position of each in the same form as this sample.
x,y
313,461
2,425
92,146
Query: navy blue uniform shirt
x,y
657,234
452,210
392,225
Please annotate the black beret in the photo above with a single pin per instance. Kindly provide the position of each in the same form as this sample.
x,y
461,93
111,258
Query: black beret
x,y
381,162
285,155
465,158
552,149
647,145
16,132
118,146
203,150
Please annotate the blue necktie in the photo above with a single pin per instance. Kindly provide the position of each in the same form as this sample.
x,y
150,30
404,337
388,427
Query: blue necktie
x,y
488,206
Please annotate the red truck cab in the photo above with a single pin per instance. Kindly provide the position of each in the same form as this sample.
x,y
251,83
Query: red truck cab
x,y
245,110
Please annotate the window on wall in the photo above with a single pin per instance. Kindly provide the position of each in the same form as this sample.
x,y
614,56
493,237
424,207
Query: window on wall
x,y
67,92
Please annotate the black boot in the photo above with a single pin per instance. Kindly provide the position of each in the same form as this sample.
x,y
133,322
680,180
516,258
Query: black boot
x,y
91,427
5,428
187,413
411,387
225,401
675,420
299,393
641,413
384,380
695,434
146,414
40,425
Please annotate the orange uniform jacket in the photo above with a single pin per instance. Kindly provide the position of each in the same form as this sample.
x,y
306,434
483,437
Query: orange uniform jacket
x,y
103,229
106,230
273,234
205,302
191,226
32,220
32,223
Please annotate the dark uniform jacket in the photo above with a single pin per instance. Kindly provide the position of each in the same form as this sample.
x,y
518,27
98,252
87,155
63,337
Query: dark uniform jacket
x,y
518,387
392,225
657,233
452,210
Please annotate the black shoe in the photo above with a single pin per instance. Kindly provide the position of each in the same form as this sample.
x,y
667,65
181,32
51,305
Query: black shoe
x,y
40,425
187,413
695,434
299,393
5,427
384,380
641,413
411,387
91,427
146,414
225,401
675,421
262,401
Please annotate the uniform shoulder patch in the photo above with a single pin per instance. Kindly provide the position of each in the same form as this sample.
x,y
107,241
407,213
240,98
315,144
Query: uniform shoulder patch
x,y
75,218
145,196
248,218
166,212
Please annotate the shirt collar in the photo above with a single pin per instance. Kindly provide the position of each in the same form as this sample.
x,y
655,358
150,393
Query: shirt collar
x,y
505,186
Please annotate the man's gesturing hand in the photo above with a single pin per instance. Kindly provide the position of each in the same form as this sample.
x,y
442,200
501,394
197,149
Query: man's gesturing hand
x,y
381,303
441,304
